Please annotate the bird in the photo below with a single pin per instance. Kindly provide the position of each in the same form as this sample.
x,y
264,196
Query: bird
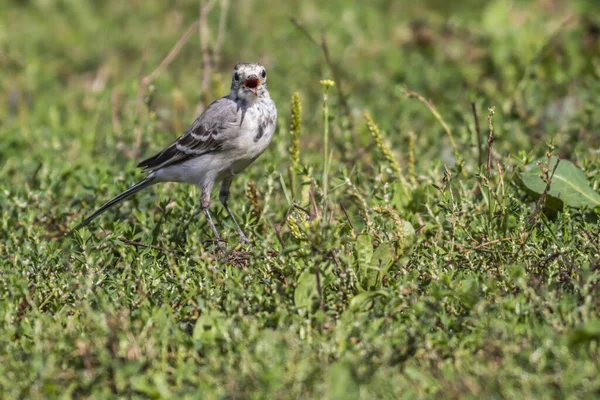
x,y
224,140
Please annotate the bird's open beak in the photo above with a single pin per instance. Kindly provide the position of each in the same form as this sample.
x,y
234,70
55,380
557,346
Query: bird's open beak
x,y
252,83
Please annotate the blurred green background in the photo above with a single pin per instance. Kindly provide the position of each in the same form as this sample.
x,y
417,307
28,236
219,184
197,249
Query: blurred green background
x,y
141,306
63,60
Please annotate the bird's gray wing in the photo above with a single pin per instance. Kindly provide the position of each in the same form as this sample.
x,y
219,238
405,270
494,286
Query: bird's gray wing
x,y
210,132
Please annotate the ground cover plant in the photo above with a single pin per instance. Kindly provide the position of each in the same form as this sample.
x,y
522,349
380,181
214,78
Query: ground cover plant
x,y
424,223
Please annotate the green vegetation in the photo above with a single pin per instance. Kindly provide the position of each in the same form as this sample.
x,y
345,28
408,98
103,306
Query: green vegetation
x,y
389,258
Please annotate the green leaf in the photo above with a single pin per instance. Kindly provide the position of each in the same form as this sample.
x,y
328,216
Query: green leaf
x,y
143,385
409,239
585,333
364,299
341,383
210,328
363,249
373,264
569,185
382,260
306,290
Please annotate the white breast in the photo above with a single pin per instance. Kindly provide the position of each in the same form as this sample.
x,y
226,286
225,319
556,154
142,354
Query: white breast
x,y
256,132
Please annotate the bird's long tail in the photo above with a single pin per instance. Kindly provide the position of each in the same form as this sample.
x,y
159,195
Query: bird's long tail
x,y
150,180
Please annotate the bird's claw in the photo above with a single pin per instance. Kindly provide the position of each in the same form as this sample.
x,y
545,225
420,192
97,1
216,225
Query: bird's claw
x,y
244,239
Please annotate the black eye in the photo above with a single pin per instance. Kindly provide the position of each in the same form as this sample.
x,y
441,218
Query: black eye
x,y
263,74
236,76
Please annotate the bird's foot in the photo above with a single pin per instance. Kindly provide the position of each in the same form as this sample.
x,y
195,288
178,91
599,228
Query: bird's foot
x,y
243,238
220,243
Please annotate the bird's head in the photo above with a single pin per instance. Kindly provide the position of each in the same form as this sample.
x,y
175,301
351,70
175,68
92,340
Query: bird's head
x,y
249,81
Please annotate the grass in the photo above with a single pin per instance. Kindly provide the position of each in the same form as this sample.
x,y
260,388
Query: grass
x,y
387,259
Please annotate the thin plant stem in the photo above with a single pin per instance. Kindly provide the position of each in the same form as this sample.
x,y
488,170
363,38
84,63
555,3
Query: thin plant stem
x,y
326,85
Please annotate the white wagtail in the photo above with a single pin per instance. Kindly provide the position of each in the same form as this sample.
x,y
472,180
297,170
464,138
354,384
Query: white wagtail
x,y
229,135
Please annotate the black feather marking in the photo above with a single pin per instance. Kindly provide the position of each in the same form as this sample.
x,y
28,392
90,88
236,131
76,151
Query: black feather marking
x,y
204,136
260,133
199,139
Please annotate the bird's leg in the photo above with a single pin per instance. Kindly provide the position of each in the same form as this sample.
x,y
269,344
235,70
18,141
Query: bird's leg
x,y
205,204
224,196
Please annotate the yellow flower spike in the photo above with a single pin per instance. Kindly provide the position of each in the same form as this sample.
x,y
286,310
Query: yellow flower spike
x,y
292,223
383,147
295,127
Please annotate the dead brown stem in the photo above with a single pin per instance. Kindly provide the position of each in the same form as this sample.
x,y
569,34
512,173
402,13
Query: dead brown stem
x,y
172,54
206,59
490,142
485,244
139,100
221,32
145,245
478,133
114,112
539,204
314,209
144,81
348,218
334,70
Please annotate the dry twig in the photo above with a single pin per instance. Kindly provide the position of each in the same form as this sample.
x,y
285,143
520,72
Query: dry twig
x,y
479,246
114,112
207,63
145,245
144,81
348,218
221,31
490,141
172,54
478,133
540,202
436,114
334,70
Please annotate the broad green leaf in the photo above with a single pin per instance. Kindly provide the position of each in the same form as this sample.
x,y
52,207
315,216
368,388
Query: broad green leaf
x,y
373,264
409,239
361,300
569,185
306,290
382,260
363,248
401,196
